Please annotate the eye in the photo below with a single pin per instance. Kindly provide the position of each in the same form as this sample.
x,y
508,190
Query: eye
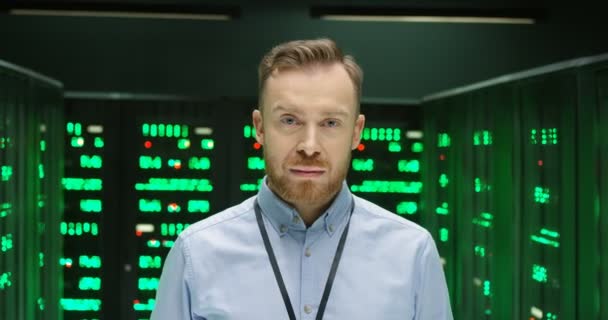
x,y
331,123
289,120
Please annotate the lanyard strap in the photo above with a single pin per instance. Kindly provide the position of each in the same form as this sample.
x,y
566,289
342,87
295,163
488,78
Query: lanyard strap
x,y
277,271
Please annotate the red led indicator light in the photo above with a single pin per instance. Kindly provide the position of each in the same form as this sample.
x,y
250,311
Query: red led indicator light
x,y
136,301
257,145
177,165
361,147
138,233
540,163
442,157
148,144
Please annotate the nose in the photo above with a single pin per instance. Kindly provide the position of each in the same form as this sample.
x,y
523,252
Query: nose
x,y
308,143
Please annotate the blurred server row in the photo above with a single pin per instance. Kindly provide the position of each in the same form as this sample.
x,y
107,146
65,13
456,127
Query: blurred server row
x,y
31,164
516,193
507,176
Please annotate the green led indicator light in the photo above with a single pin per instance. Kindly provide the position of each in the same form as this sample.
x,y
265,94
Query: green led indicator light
x,y
407,207
175,184
89,262
542,195
249,187
170,131
480,251
363,164
417,147
77,129
42,145
443,210
168,243
149,205
6,242
486,288
153,130
443,140
183,144
77,142
378,186
172,229
551,316
207,144
484,220
7,172
483,137
173,208
544,241
81,184
40,303
544,136
394,146
153,243
148,162
5,209
255,163
249,131
145,129
443,235
443,180
539,273
147,283
69,127
408,166
5,280
80,304
90,205
185,131
90,162
41,171
78,228
150,262
161,130
200,163
98,142
144,306
198,206
65,262
481,186
89,283
550,233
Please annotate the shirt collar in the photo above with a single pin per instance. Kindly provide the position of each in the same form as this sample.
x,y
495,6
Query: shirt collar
x,y
283,217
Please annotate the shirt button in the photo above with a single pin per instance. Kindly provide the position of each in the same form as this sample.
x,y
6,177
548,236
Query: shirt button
x,y
283,228
307,252
331,228
308,308
295,219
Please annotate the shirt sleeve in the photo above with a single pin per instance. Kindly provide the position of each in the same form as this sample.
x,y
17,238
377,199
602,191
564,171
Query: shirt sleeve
x,y
173,294
432,300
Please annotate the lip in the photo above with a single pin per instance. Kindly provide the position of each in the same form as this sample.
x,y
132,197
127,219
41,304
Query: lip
x,y
307,172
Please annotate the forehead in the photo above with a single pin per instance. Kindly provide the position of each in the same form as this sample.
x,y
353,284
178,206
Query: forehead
x,y
327,88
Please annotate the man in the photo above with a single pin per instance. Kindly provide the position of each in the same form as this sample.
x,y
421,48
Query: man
x,y
305,247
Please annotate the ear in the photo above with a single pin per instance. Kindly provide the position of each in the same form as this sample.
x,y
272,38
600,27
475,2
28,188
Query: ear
x,y
359,125
258,124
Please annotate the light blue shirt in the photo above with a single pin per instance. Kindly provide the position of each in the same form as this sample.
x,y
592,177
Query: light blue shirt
x,y
218,268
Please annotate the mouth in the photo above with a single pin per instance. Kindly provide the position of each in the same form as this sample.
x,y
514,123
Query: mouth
x,y
307,172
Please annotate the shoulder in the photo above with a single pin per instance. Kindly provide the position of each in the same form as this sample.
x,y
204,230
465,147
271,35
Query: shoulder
x,y
387,220
222,219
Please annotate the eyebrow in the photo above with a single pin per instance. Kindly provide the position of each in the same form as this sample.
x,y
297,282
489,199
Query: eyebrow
x,y
335,113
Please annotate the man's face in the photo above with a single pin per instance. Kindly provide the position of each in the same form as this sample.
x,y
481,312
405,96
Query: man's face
x,y
308,128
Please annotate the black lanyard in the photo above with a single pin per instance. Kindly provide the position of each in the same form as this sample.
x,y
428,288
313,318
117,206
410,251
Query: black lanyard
x,y
277,272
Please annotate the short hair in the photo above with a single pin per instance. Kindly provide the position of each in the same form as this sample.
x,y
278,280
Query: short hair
x,y
307,53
